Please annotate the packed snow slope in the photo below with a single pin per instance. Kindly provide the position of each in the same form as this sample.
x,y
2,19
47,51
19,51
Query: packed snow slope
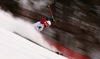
x,y
13,46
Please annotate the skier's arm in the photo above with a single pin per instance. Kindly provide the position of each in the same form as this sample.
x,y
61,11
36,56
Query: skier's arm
x,y
43,20
46,19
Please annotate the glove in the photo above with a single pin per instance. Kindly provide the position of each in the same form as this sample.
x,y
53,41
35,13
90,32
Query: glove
x,y
53,21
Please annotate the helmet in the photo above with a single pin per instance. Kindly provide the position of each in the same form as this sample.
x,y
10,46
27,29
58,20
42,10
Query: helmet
x,y
47,23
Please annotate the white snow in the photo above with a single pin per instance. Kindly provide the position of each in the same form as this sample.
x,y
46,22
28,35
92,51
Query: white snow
x,y
13,46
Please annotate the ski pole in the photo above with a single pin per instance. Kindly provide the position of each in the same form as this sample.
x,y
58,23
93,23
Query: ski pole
x,y
51,13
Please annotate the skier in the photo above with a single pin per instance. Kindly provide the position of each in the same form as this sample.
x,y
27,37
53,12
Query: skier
x,y
44,23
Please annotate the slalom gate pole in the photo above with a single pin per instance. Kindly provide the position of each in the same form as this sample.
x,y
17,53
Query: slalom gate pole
x,y
51,13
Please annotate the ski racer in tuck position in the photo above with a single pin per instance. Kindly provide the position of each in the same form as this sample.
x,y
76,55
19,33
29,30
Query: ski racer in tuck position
x,y
44,23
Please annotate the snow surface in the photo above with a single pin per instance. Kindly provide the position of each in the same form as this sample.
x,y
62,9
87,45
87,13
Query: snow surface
x,y
13,46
